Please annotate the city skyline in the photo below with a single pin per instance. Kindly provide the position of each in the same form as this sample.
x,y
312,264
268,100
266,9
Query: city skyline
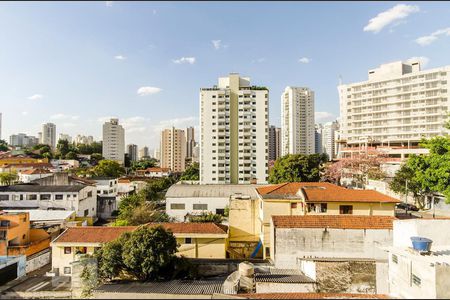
x,y
132,61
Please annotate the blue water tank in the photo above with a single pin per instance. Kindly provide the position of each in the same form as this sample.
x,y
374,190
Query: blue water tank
x,y
421,243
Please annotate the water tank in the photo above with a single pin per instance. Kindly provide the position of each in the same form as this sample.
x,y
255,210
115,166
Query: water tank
x,y
421,243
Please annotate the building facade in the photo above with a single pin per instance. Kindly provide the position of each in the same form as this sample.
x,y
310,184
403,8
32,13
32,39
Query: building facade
x,y
328,135
65,137
23,140
132,151
234,124
173,149
318,138
114,141
49,134
82,139
297,121
274,142
144,153
190,142
397,106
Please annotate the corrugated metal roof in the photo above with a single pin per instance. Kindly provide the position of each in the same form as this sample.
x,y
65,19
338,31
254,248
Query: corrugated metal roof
x,y
281,276
45,215
41,188
211,190
183,287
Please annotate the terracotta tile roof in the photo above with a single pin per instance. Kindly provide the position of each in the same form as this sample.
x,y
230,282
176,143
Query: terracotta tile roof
x,y
334,221
35,171
205,228
92,234
28,165
157,170
322,192
103,234
311,296
124,180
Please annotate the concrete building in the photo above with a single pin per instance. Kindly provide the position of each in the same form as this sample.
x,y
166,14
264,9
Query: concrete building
x,y
413,274
328,139
154,172
144,153
173,149
132,151
398,105
297,121
318,138
114,141
49,134
23,140
190,141
185,199
274,142
82,139
27,176
107,196
234,124
65,137
196,240
157,154
196,153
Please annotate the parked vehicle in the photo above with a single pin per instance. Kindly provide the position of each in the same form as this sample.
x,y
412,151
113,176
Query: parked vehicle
x,y
407,206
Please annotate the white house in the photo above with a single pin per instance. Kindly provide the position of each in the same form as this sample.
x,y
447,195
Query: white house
x,y
412,274
182,200
154,172
26,176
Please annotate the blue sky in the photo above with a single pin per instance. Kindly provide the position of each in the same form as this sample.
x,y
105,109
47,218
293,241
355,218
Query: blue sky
x,y
78,63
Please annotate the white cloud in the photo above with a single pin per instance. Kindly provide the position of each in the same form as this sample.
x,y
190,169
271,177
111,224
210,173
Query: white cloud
x,y
321,116
105,119
422,59
148,90
184,60
61,116
176,122
383,19
120,57
109,3
36,97
67,125
428,39
24,113
304,60
216,44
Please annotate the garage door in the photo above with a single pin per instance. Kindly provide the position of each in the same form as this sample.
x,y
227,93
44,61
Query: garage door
x,y
8,273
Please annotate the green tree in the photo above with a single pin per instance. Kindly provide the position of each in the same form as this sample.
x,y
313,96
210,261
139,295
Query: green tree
x,y
297,168
143,164
95,158
62,148
109,257
153,191
71,155
95,147
8,178
42,151
3,146
191,173
108,168
206,218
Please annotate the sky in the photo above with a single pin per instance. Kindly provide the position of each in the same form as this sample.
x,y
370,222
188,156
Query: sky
x,y
77,64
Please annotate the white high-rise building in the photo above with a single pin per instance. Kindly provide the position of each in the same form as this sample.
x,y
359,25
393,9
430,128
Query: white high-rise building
x,y
81,139
297,121
328,138
23,140
114,141
132,150
234,124
318,138
65,137
398,105
49,134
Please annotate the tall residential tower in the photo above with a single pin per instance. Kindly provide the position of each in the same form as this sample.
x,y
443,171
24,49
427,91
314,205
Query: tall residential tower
x,y
234,124
49,135
114,141
297,121
173,149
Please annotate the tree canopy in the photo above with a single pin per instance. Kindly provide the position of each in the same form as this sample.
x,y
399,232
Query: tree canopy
x,y
94,147
205,218
3,146
107,168
191,173
143,164
148,253
8,178
426,174
297,168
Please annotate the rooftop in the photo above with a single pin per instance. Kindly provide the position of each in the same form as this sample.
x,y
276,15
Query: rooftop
x,y
44,215
34,188
321,192
210,190
35,171
439,254
310,296
334,221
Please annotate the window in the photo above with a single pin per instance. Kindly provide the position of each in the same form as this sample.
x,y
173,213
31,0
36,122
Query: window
x,y
188,240
177,206
293,205
394,258
200,206
59,197
45,197
4,197
323,207
346,209
220,211
86,212
416,280
32,197
89,194
67,250
67,270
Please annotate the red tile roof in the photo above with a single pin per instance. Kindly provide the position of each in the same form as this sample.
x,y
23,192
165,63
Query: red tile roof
x,y
35,171
205,228
311,296
28,165
334,221
322,192
157,170
103,234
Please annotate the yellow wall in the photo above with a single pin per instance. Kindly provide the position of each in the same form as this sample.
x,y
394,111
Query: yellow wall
x,y
243,221
203,248
61,260
22,160
18,234
361,209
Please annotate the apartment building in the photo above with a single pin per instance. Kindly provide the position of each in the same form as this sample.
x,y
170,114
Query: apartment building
x,y
65,137
114,141
82,139
173,149
274,142
398,105
297,121
49,134
190,141
23,140
328,138
144,153
132,151
234,124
